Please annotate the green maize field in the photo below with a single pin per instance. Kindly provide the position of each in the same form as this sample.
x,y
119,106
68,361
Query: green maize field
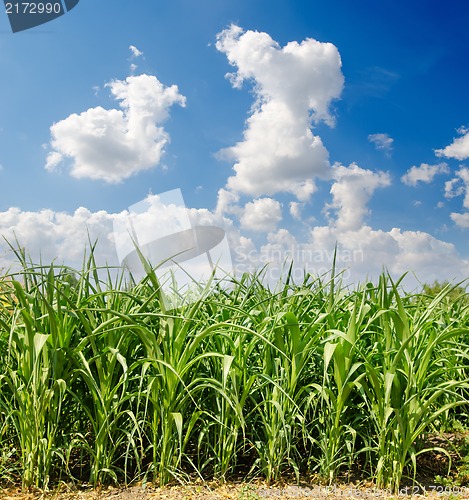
x,y
100,384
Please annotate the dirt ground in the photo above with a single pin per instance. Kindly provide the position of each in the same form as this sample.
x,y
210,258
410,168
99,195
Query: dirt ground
x,y
238,491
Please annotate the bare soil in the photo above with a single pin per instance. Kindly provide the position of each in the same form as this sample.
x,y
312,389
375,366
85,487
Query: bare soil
x,y
238,491
429,464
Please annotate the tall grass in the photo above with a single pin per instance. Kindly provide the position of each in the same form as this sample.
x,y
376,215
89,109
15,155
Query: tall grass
x,y
100,383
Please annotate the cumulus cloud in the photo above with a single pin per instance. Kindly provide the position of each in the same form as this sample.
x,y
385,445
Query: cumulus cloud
x,y
238,242
424,173
60,236
227,202
351,191
459,148
458,186
135,52
279,152
362,254
461,220
261,215
453,188
295,210
382,142
114,144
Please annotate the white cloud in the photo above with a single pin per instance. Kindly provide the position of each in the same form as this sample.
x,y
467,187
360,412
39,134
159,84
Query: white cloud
x,y
205,217
281,237
459,148
112,145
351,191
50,235
295,210
227,202
362,251
279,152
453,188
458,186
62,237
261,215
424,173
427,256
461,220
382,142
362,254
463,174
135,52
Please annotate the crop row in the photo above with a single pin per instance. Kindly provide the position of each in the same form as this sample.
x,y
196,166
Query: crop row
x,y
99,383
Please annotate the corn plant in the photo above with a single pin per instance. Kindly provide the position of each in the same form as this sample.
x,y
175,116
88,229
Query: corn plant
x,y
341,348
414,366
34,384
105,376
286,347
228,401
172,358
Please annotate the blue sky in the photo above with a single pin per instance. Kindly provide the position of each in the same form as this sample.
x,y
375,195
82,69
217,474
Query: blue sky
x,y
346,122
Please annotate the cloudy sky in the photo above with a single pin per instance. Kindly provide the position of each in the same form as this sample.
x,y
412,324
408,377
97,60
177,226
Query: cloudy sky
x,y
296,125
